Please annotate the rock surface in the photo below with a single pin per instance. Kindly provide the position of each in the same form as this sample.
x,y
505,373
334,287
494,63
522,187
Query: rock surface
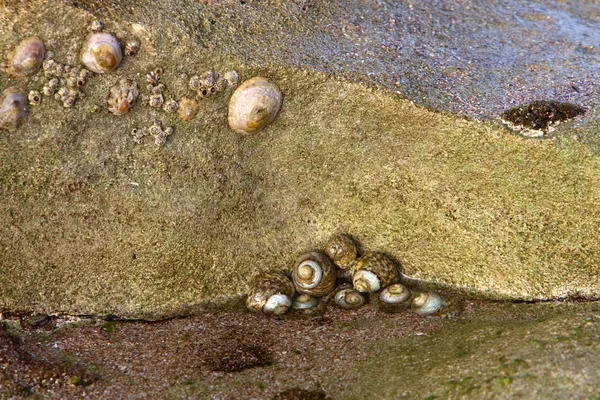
x,y
93,222
491,350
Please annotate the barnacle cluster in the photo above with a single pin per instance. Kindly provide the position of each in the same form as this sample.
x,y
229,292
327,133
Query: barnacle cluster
x,y
122,96
155,87
155,130
101,52
65,81
211,82
341,275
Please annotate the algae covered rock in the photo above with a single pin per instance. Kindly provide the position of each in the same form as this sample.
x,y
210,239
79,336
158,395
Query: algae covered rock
x,y
96,218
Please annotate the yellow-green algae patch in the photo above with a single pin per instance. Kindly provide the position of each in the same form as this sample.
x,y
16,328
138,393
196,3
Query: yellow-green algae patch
x,y
109,226
91,222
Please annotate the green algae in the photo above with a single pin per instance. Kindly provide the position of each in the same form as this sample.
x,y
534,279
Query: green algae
x,y
497,365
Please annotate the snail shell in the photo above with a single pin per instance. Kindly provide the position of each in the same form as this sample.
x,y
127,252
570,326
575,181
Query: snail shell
x,y
348,298
314,274
342,250
26,58
122,96
254,105
373,271
305,305
396,293
393,298
101,52
426,303
271,294
12,109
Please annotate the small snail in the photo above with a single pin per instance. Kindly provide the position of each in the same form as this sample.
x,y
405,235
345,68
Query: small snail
x,y
101,52
314,274
26,58
347,297
254,105
373,271
342,250
426,303
393,298
271,294
12,108
305,305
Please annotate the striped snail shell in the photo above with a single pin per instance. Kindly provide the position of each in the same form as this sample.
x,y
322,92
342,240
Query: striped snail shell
x,y
342,250
393,298
254,105
347,297
426,303
271,294
373,271
314,274
26,58
101,52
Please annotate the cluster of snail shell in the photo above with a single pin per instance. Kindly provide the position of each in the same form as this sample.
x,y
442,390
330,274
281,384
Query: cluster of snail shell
x,y
342,275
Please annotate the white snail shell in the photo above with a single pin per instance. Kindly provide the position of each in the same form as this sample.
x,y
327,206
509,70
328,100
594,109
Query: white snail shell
x,y
254,105
395,293
101,52
348,298
426,303
26,58
277,304
393,298
271,294
12,108
366,282
314,274
305,301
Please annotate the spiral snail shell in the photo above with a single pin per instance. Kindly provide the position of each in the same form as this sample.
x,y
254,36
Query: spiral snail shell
x,y
342,250
393,298
12,108
314,274
305,305
271,294
348,298
101,52
373,271
254,105
426,303
26,58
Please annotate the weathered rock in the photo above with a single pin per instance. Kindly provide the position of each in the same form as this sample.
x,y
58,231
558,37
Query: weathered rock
x,y
93,222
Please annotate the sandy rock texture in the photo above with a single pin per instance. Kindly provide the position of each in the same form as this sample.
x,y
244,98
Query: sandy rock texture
x,y
94,220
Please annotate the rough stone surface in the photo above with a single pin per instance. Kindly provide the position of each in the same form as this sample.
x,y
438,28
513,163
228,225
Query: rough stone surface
x,y
490,350
93,222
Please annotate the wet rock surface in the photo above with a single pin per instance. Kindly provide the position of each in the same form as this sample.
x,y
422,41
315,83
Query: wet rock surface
x,y
544,350
477,58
